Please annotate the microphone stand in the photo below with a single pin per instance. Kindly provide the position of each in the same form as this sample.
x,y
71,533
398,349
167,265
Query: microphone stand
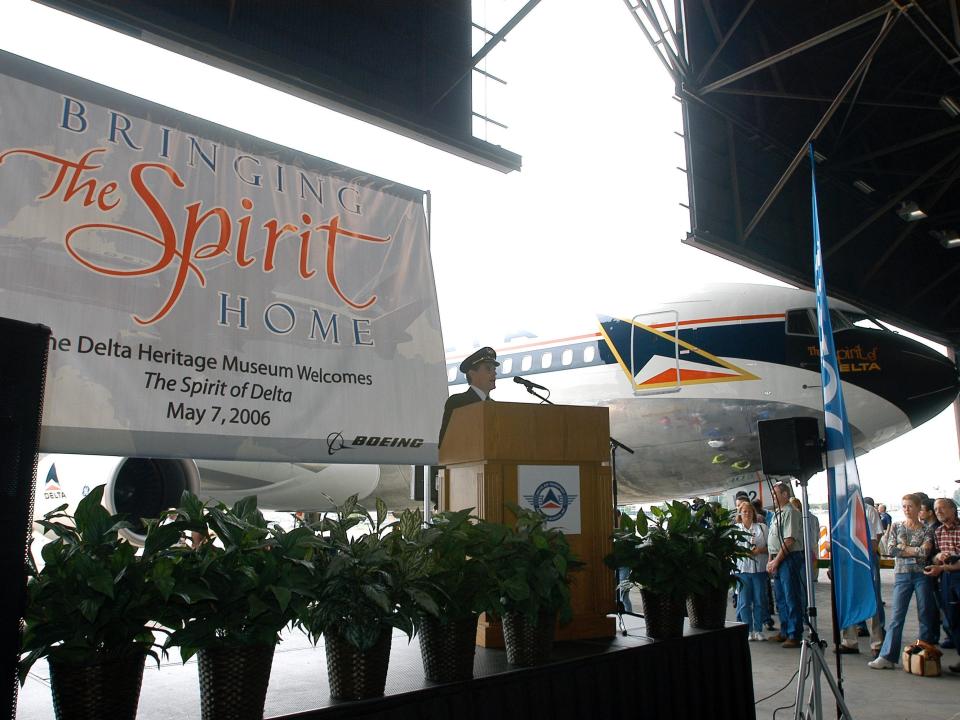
x,y
614,446
538,395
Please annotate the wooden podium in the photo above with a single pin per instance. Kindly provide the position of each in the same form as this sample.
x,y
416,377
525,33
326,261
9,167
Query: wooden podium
x,y
486,443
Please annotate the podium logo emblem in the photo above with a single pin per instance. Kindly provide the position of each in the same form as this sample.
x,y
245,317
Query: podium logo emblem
x,y
551,500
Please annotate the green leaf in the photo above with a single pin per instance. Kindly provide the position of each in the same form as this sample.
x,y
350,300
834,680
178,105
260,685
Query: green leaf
x,y
516,589
377,597
91,517
381,513
194,592
257,606
89,607
424,600
101,582
282,595
160,537
642,525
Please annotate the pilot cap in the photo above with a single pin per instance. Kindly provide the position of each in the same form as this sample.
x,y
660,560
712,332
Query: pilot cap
x,y
484,354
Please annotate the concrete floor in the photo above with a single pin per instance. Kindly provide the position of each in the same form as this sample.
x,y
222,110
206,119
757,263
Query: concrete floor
x,y
870,694
172,692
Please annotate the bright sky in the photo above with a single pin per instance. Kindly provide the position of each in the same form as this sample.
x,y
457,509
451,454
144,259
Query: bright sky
x,y
593,222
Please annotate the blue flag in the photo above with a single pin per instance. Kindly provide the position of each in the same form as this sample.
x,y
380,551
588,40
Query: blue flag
x,y
850,547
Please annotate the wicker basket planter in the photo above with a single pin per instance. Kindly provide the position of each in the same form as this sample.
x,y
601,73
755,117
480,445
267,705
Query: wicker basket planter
x,y
448,649
529,643
707,611
355,675
234,680
663,614
97,691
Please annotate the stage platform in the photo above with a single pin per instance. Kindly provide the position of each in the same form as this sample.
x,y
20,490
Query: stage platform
x,y
705,675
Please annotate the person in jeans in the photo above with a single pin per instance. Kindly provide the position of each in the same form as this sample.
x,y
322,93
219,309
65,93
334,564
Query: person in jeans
x,y
752,574
910,546
785,546
945,572
849,643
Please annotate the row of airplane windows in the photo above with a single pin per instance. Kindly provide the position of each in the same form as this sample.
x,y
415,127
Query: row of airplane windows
x,y
544,360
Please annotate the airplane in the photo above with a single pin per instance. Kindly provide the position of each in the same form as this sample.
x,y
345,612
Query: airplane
x,y
686,382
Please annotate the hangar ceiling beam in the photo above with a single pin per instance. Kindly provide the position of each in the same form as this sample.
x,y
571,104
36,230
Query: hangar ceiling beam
x,y
497,38
885,9
670,56
931,285
735,182
951,62
893,138
888,24
955,24
775,95
892,202
890,149
910,227
723,42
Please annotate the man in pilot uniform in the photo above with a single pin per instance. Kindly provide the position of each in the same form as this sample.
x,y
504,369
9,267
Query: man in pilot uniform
x,y
480,369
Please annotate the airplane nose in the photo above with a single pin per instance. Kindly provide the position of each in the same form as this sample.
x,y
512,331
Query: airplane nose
x,y
916,378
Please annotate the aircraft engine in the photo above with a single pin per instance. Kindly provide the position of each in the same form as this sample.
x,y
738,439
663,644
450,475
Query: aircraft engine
x,y
145,487
136,487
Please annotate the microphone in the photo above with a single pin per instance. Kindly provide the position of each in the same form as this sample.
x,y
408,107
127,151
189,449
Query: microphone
x,y
527,384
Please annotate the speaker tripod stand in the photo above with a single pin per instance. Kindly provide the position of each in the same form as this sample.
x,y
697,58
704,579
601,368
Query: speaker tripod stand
x,y
809,704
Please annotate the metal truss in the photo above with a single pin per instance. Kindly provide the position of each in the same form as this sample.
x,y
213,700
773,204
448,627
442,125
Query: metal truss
x,y
939,52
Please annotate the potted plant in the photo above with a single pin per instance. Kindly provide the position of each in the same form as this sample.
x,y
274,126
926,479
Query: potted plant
x,y
721,544
233,593
91,612
373,581
660,553
531,564
456,545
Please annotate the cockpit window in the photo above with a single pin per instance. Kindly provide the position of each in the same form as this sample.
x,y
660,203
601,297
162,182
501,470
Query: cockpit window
x,y
862,320
804,321
800,322
839,321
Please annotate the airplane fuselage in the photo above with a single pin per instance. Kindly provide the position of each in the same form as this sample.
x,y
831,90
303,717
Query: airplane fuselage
x,y
687,382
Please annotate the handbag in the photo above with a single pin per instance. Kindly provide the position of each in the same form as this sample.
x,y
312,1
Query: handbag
x,y
922,658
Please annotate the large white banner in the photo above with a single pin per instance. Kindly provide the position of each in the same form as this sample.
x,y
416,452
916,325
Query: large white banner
x,y
211,295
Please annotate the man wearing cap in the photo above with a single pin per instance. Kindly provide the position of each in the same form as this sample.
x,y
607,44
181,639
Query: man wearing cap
x,y
480,369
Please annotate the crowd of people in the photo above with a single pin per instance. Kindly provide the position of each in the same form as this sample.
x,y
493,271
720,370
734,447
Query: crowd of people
x,y
925,547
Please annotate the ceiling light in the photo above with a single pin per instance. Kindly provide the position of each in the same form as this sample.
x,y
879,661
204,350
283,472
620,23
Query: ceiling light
x,y
910,212
950,105
863,187
948,238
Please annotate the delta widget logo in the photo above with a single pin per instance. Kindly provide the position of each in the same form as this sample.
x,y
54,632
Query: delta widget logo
x,y
551,500
51,488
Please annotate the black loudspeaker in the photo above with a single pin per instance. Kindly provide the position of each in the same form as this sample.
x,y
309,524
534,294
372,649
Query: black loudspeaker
x,y
23,370
790,446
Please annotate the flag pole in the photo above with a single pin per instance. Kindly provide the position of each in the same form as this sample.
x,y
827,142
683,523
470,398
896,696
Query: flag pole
x,y
808,701
836,637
